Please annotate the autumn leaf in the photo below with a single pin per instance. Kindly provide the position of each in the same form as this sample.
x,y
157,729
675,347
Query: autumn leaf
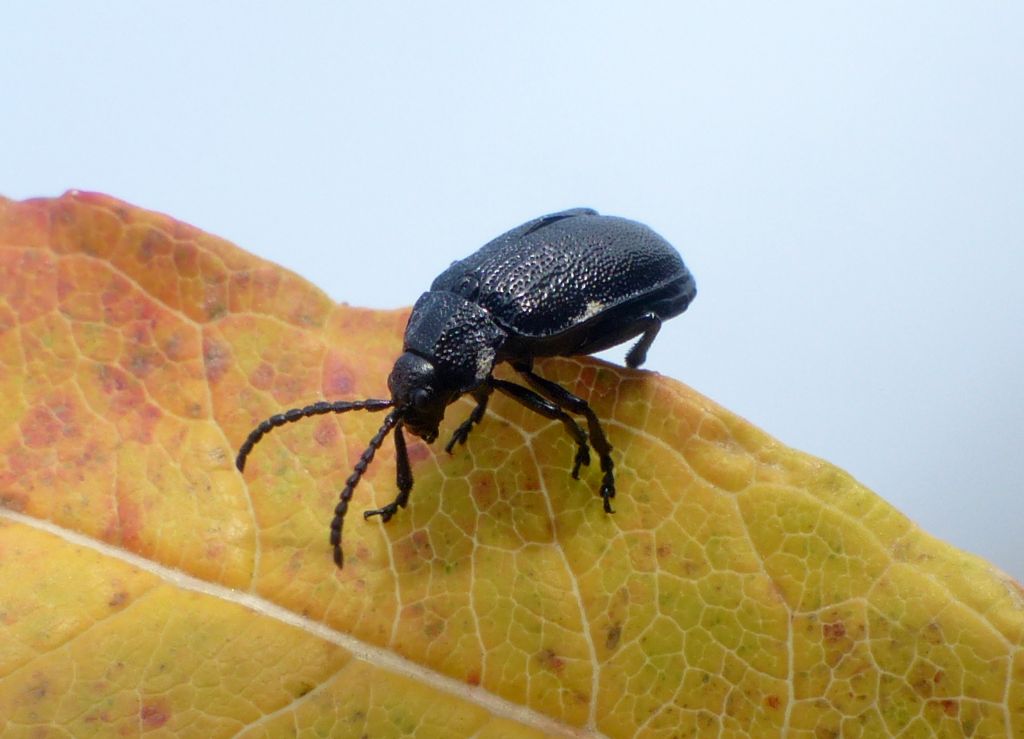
x,y
742,588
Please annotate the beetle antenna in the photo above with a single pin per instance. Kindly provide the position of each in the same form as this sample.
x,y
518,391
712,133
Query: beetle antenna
x,y
295,414
390,421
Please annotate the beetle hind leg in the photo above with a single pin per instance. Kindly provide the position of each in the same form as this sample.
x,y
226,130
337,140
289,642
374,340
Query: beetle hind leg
x,y
651,324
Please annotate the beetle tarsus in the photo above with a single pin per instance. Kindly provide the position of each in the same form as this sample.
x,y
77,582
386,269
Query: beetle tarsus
x,y
607,493
385,513
403,475
582,458
460,434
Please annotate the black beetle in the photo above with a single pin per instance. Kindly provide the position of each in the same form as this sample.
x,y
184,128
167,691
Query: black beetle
x,y
564,284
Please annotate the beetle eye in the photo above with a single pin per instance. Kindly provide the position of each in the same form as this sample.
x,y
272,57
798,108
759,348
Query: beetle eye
x,y
420,398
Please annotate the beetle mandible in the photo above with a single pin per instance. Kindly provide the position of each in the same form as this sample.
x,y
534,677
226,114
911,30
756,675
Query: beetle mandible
x,y
564,284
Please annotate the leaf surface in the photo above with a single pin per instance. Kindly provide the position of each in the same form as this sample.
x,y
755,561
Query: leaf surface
x,y
741,588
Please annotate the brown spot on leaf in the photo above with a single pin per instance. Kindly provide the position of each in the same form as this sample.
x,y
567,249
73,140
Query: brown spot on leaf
x,y
551,661
118,599
421,544
611,641
483,491
473,678
39,687
142,361
834,631
772,701
12,501
154,243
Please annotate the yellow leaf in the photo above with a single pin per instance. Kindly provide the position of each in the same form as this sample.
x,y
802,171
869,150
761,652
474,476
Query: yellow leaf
x,y
742,588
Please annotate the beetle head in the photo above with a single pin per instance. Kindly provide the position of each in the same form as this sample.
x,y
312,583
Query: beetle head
x,y
417,394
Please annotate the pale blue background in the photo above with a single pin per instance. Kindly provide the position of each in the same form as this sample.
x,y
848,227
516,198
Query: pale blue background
x,y
845,181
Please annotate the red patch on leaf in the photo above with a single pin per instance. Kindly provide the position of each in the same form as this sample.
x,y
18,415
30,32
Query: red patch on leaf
x,y
262,378
833,632
326,432
123,306
141,361
29,299
418,451
422,542
154,715
216,358
154,243
124,394
551,661
130,517
40,428
587,377
772,701
483,491
338,380
148,417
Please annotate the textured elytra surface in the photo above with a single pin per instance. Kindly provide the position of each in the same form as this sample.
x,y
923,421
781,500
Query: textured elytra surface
x,y
550,274
742,588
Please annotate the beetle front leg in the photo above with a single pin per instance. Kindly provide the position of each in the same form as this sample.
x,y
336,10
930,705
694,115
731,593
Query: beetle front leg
x,y
460,435
564,399
403,480
537,404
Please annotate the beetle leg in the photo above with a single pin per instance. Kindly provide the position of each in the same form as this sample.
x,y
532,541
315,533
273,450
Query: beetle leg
x,y
638,354
564,399
403,480
462,432
537,404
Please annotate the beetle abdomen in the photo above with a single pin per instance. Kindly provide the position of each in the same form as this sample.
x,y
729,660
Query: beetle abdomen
x,y
564,270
